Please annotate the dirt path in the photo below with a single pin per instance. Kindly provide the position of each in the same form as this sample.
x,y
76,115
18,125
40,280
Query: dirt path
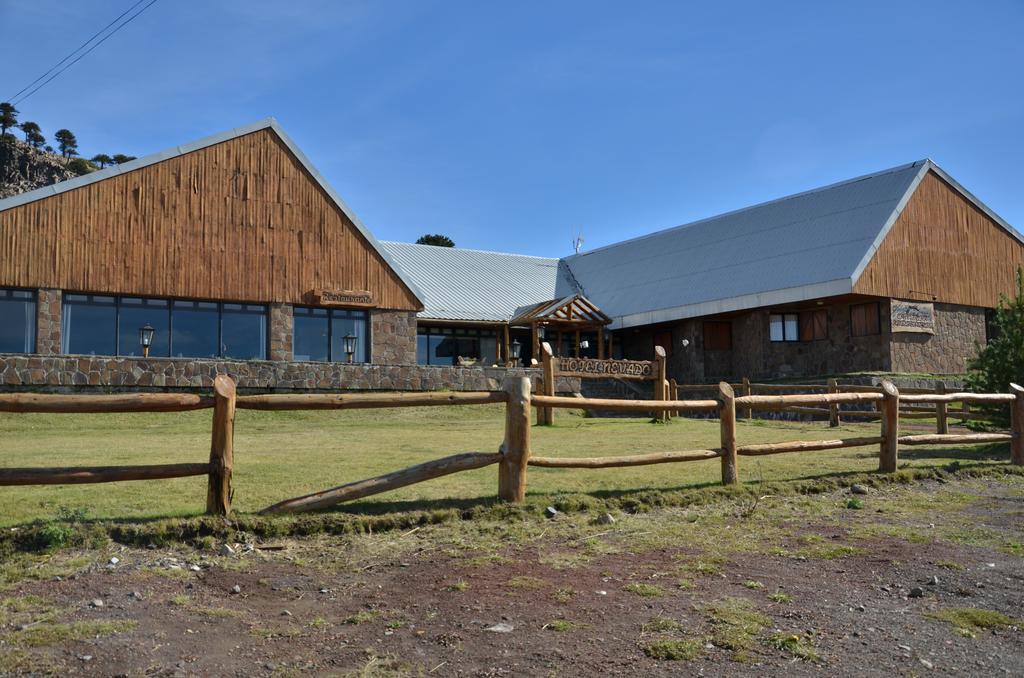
x,y
800,586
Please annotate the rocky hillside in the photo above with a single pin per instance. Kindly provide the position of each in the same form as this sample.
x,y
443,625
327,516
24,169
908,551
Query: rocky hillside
x,y
23,168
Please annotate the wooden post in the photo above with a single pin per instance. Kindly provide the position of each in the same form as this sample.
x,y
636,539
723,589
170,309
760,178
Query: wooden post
x,y
1017,426
666,391
941,422
833,408
577,354
727,420
508,348
748,390
673,393
889,453
600,342
546,415
535,341
660,379
516,448
222,447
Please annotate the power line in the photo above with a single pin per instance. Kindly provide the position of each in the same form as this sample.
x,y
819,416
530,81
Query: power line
x,y
75,51
86,52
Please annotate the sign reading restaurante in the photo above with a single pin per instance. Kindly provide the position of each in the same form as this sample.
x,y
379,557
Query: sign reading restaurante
x,y
359,298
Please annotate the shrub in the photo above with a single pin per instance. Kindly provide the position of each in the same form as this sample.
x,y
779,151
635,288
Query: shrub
x,y
1002,360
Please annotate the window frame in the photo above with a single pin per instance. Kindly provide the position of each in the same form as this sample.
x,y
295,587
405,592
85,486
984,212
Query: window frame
x,y
365,313
785,338
719,323
812,315
430,331
32,325
169,311
878,319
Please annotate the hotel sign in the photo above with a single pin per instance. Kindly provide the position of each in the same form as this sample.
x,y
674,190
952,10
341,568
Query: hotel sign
x,y
590,367
346,298
912,316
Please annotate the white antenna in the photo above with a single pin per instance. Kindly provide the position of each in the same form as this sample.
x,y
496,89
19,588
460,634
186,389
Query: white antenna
x,y
577,243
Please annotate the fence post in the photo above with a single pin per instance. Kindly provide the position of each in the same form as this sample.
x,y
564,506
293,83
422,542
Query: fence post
x,y
941,421
660,379
889,453
546,415
673,394
222,447
1017,426
727,420
748,390
516,447
833,408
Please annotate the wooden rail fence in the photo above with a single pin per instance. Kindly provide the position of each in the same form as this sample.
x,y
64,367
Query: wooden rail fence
x,y
218,469
514,456
910,408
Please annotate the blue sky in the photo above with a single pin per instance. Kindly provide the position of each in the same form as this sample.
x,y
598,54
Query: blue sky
x,y
511,126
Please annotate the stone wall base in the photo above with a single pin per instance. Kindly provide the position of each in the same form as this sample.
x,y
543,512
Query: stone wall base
x,y
104,374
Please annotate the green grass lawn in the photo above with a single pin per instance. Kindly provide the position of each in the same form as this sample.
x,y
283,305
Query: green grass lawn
x,y
284,454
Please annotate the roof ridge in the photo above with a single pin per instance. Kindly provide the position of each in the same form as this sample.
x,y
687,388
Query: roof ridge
x,y
837,184
470,249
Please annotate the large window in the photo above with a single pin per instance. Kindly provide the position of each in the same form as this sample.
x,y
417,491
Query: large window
x,y
456,346
784,327
101,325
89,325
864,320
17,321
319,334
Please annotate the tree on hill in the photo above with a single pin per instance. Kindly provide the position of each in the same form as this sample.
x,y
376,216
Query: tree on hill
x,y
436,239
1001,361
81,166
121,158
8,117
66,142
33,134
102,160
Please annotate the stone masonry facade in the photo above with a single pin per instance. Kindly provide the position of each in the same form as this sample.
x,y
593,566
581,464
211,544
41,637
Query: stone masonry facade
x,y
48,304
959,330
282,323
102,374
393,337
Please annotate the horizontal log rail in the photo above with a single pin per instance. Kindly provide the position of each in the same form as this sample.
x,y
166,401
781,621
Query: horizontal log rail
x,y
356,401
806,445
955,438
389,481
54,403
624,405
632,460
958,398
781,402
73,475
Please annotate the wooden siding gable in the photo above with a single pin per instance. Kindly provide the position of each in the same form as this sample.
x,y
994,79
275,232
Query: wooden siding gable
x,y
241,216
944,245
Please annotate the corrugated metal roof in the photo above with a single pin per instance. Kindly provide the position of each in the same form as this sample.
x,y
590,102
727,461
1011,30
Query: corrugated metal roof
x,y
463,284
803,246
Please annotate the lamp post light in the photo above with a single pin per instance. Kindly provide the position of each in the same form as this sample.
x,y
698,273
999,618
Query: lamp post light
x,y
146,338
516,348
350,346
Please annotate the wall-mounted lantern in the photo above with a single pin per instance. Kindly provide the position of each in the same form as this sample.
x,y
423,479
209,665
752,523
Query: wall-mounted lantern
x,y
146,338
350,346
